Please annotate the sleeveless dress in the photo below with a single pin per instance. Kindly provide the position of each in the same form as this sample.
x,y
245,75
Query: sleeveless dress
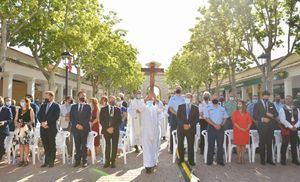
x,y
95,128
243,120
23,135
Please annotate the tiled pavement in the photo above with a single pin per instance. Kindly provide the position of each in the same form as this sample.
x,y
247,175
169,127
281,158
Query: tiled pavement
x,y
166,171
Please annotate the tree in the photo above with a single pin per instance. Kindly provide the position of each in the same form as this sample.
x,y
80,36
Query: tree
x,y
265,28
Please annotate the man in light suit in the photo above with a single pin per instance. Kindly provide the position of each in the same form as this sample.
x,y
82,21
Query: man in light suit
x,y
187,116
5,120
264,114
48,116
110,119
80,116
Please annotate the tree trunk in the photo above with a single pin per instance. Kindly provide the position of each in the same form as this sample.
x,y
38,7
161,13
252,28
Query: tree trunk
x,y
3,42
233,81
51,81
78,75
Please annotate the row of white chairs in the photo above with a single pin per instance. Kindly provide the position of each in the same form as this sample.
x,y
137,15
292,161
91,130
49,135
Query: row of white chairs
x,y
62,147
229,146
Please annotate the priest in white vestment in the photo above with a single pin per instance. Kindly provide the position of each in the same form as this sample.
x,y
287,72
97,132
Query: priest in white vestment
x,y
150,132
134,121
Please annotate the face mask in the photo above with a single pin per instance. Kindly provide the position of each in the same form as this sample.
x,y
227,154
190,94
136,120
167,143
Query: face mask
x,y
138,96
112,103
277,100
265,100
215,101
8,103
149,103
22,104
82,99
231,98
221,99
187,100
254,101
239,107
1,104
206,98
119,103
47,100
178,91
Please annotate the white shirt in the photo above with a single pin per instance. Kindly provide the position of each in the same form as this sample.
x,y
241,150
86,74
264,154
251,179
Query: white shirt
x,y
202,106
283,120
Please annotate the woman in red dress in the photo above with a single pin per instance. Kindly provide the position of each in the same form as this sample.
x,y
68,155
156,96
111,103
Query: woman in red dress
x,y
242,122
95,124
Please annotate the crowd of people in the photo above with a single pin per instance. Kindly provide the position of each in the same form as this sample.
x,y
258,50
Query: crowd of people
x,y
147,120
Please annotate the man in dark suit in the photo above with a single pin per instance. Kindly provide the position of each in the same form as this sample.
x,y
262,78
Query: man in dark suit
x,y
5,120
13,112
264,114
48,116
187,116
80,116
110,119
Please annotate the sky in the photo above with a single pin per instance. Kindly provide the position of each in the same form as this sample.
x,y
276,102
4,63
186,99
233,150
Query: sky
x,y
157,28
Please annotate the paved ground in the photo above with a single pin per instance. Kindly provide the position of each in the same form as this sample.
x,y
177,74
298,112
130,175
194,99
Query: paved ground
x,y
166,171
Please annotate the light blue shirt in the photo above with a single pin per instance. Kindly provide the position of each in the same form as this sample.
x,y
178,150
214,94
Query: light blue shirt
x,y
216,115
250,108
175,101
278,106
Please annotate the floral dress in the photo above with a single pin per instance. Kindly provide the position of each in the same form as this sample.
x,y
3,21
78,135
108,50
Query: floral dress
x,y
23,135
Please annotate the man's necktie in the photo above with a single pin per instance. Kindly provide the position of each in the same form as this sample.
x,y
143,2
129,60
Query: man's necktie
x,y
80,108
188,110
266,106
47,108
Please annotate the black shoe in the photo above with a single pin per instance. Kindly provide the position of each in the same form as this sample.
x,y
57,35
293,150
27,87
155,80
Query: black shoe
x,y
76,164
221,163
136,149
84,164
148,170
164,138
26,163
271,163
263,163
192,163
112,165
209,163
283,162
171,152
44,165
51,165
20,163
296,163
106,165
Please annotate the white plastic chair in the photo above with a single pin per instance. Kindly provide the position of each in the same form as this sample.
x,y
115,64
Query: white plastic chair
x,y
90,145
298,151
8,146
60,141
197,140
122,145
35,148
229,134
278,143
175,145
254,143
204,133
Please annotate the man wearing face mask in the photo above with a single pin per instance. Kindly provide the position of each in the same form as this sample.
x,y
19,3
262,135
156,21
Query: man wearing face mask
x,y
110,120
264,113
150,132
134,121
13,112
187,115
250,108
222,101
80,116
203,124
173,104
5,119
48,116
215,115
230,107
290,119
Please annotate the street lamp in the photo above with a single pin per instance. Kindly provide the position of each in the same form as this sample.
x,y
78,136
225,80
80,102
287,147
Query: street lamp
x,y
262,61
65,56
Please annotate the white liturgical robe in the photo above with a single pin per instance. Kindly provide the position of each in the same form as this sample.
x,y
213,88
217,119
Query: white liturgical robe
x,y
150,134
134,122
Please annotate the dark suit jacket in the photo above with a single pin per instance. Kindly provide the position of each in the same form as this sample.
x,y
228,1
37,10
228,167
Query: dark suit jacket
x,y
5,115
104,119
192,119
259,111
51,117
82,119
12,123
